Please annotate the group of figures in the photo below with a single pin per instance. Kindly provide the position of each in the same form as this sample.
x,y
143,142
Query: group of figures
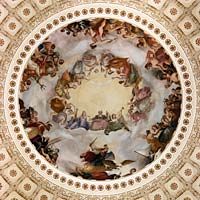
x,y
68,118
162,132
35,131
99,28
162,67
110,65
157,59
98,163
45,61
106,63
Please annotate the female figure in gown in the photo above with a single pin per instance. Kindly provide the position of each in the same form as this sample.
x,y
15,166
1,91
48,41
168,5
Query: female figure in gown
x,y
80,122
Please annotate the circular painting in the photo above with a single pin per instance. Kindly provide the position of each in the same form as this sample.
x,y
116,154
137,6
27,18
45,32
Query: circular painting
x,y
100,99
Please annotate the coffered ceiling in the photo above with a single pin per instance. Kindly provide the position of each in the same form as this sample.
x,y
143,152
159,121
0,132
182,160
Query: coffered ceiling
x,y
23,23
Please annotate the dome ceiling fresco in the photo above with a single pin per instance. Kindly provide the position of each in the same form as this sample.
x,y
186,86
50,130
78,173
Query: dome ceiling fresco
x,y
99,100
106,85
